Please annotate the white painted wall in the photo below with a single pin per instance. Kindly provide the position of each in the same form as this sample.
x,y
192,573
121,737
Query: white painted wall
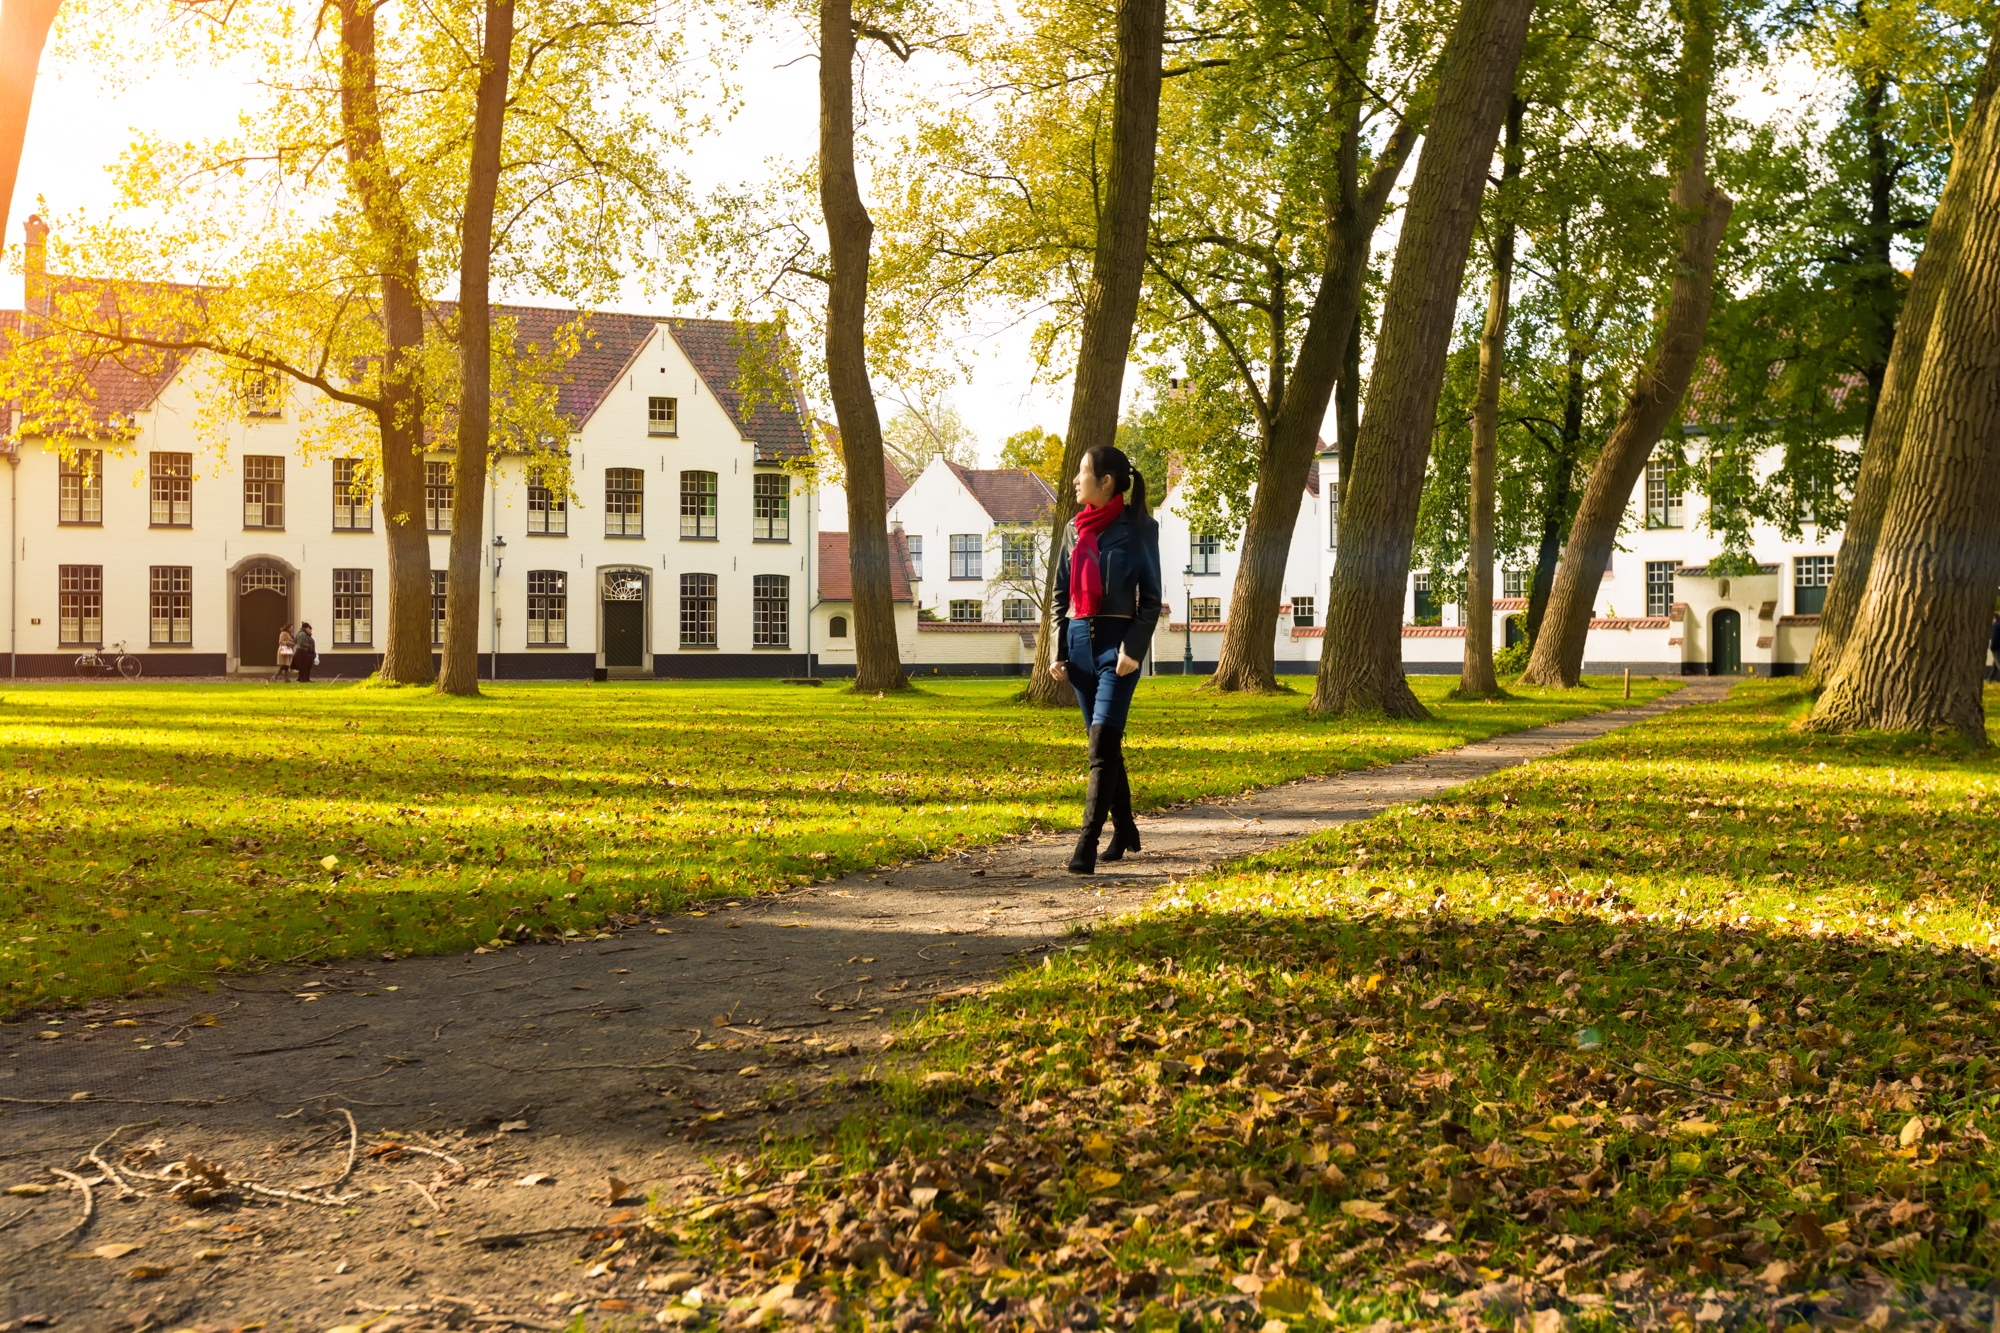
x,y
218,547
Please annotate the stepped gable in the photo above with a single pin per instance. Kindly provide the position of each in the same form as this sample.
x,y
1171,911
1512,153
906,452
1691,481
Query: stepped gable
x,y
836,575
1008,494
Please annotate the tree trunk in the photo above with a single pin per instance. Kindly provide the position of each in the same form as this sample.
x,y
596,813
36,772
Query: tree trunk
x,y
1891,416
1248,657
1117,269
878,663
399,408
1556,487
1347,413
462,613
1475,677
24,31
1916,654
1557,658
1361,658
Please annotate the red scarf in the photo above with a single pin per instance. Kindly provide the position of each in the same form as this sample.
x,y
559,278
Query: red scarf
x,y
1086,581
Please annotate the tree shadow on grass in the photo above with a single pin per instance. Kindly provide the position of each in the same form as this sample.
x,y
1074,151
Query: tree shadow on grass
x,y
1606,1113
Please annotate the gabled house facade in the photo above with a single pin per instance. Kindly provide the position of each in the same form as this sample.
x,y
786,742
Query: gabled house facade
x,y
684,550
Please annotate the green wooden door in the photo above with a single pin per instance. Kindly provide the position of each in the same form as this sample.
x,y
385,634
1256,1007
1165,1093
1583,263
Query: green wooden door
x,y
1726,657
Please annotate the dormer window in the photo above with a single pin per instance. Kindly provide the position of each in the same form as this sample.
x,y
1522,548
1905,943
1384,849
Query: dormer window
x,y
663,416
262,395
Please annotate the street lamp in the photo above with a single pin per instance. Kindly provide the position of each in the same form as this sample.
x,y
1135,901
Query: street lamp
x,y
1187,626
493,667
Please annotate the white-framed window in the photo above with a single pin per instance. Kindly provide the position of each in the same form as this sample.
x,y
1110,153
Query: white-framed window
x,y
1302,613
172,605
965,562
264,491
80,605
1664,502
548,607
353,507
438,585
697,610
771,507
916,556
1811,576
548,511
624,502
437,499
771,611
353,607
263,395
1017,610
1205,553
698,506
663,416
1332,516
1205,610
966,610
1513,583
1423,608
1017,555
1660,586
80,487
172,478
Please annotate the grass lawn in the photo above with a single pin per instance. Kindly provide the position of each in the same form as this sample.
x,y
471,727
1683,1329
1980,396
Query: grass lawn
x,y
160,831
1692,1024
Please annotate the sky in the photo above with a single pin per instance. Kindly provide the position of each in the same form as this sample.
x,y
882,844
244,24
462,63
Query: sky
x,y
79,128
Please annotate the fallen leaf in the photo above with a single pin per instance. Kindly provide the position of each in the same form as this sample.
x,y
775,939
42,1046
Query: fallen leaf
x,y
147,1272
328,862
115,1251
514,1127
28,1191
1287,1296
616,1190
536,1178
1367,1210
1913,1132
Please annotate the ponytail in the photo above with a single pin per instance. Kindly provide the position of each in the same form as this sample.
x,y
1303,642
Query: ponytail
x,y
1108,460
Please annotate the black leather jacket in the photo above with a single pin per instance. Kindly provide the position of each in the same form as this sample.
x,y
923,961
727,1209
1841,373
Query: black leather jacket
x,y
1128,558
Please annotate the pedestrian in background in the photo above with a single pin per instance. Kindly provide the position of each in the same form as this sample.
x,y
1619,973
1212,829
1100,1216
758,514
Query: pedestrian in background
x,y
1107,603
1993,647
304,653
285,648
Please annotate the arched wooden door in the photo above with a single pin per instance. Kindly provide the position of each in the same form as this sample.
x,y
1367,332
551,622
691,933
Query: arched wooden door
x,y
1726,658
263,605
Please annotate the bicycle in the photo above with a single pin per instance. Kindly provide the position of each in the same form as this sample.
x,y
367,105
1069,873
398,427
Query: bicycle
x,y
117,663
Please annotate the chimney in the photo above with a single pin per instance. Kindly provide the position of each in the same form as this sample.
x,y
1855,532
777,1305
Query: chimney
x,y
35,265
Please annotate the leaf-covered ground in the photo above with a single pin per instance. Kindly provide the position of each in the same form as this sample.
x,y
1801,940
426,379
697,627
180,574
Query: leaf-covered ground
x,y
160,831
1693,1026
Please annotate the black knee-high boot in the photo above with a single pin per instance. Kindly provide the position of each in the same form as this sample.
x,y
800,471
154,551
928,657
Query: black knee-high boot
x,y
1124,829
1096,801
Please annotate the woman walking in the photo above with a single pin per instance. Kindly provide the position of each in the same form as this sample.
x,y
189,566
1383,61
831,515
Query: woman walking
x,y
1107,602
285,646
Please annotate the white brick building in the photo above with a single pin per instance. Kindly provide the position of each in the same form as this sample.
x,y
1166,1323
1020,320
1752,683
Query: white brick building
x,y
685,550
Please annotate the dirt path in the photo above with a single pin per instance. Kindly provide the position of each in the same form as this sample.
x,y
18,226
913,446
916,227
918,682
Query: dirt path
x,y
635,1055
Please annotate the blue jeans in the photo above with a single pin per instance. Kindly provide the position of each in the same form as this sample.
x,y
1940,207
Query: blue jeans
x,y
1104,696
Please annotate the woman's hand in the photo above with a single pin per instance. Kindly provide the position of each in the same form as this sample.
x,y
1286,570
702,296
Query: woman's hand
x,y
1127,663
1059,668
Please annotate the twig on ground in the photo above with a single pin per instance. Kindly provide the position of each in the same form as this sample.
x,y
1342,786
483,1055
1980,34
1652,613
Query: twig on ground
x,y
120,1101
541,1233
125,1191
89,1206
455,1164
302,1046
429,1198
353,1151
563,1069
1671,1083
441,1027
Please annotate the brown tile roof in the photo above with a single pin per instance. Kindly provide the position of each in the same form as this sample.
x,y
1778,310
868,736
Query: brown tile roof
x,y
893,480
723,354
836,576
1008,494
114,382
